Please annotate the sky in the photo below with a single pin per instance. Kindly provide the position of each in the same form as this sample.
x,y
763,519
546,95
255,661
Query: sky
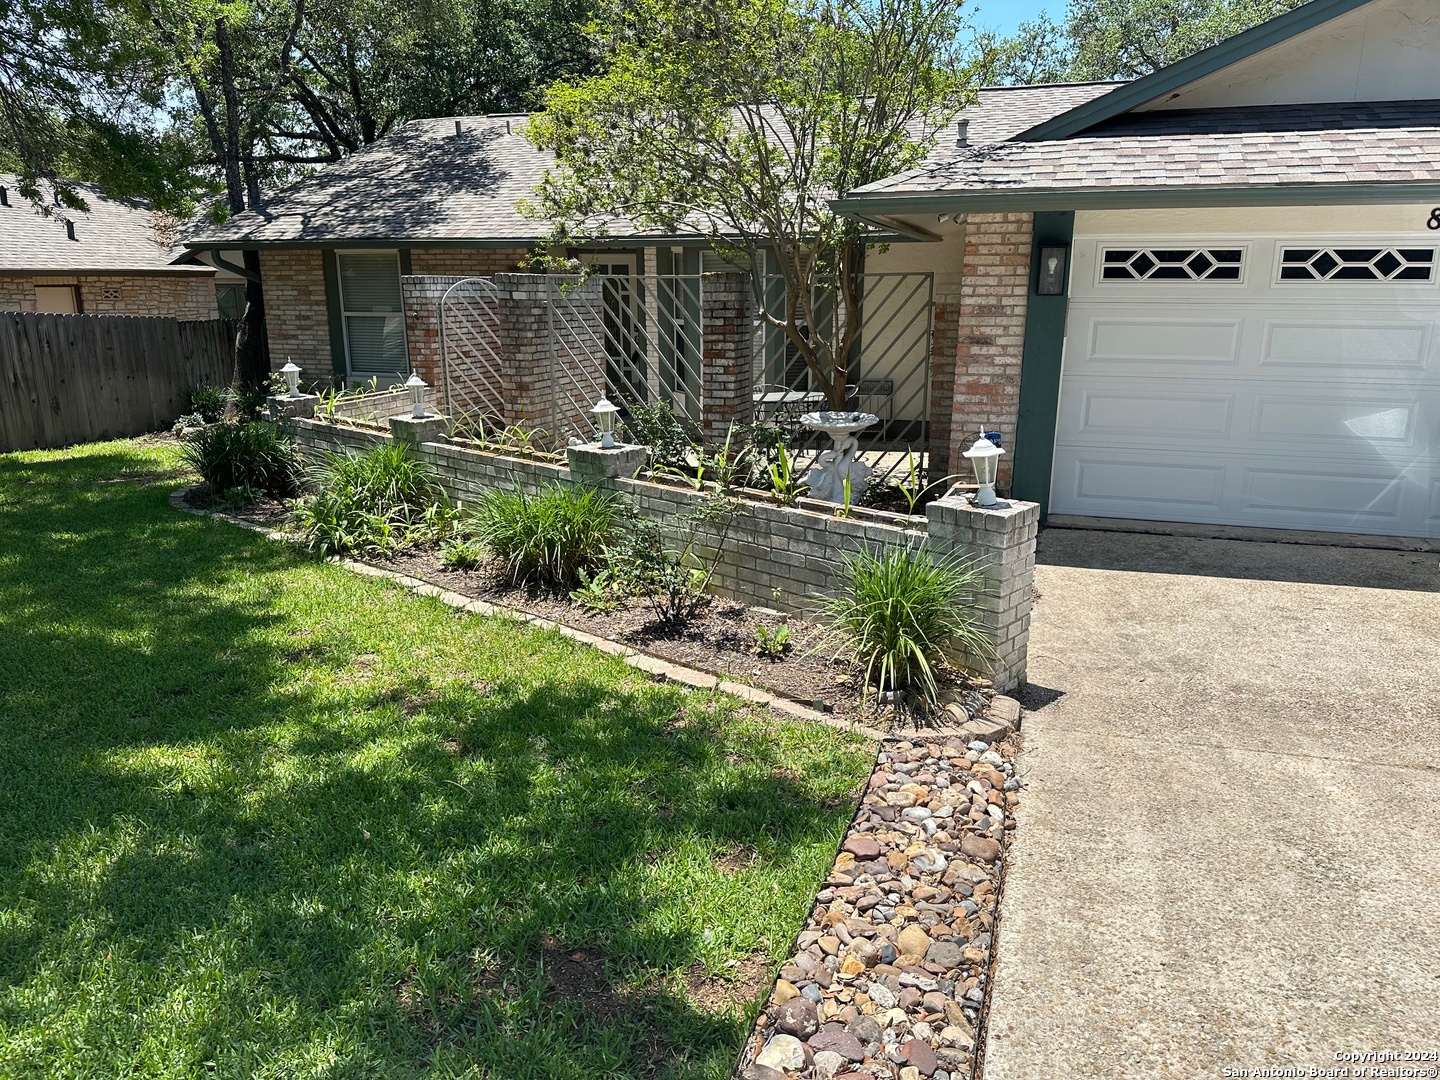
x,y
1005,15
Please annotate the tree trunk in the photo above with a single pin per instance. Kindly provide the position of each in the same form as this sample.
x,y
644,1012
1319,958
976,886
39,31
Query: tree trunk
x,y
252,348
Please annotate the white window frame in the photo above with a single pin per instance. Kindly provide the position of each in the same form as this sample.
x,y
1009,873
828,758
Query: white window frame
x,y
350,376
1331,243
1159,244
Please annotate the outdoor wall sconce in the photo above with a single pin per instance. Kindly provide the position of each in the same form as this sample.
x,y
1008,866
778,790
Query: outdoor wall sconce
x,y
605,422
984,458
292,377
1051,279
416,386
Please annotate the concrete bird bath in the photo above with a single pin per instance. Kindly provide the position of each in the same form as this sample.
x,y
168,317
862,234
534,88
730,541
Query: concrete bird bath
x,y
826,478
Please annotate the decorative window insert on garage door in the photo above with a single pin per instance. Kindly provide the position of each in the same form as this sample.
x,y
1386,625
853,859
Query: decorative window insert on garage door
x,y
1356,264
1172,264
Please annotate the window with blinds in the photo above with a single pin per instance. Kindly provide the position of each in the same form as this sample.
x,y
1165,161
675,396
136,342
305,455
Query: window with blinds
x,y
373,315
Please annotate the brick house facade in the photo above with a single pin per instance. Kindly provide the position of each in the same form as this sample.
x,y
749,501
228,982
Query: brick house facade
x,y
297,313
186,295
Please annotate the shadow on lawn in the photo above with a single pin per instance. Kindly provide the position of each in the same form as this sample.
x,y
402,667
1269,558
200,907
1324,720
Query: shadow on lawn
x,y
437,873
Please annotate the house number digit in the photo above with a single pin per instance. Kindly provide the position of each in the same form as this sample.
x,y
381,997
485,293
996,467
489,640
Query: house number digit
x,y
1434,222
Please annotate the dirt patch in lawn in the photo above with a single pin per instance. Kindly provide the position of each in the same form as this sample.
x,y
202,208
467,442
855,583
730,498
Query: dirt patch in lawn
x,y
712,994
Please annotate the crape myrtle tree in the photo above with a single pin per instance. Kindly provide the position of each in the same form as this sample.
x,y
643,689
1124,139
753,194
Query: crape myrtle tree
x,y
737,121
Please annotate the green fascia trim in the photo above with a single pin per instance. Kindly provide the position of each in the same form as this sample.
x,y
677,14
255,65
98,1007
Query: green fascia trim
x,y
988,201
1183,72
1040,370
405,269
332,308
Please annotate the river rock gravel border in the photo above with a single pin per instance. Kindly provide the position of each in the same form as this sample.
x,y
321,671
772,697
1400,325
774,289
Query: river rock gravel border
x,y
887,981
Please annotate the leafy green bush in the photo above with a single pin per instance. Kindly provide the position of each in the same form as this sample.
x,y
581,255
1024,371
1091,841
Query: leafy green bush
x,y
673,582
899,609
549,537
253,458
207,402
656,426
373,503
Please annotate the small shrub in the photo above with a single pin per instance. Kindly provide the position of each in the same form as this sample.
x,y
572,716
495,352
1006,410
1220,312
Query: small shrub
x,y
656,426
673,582
188,422
462,554
899,610
253,457
373,503
549,537
773,644
596,592
207,402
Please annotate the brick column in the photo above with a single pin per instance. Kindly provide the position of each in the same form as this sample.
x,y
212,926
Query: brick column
x,y
944,343
991,333
727,331
1002,541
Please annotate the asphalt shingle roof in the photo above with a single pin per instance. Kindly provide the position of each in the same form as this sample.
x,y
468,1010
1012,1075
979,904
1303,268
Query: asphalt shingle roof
x,y
422,183
1274,144
113,235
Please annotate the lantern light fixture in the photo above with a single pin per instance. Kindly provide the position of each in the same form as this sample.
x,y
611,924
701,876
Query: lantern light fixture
x,y
984,458
416,386
605,422
292,377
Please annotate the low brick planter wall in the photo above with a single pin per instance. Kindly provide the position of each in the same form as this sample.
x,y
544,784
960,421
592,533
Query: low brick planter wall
x,y
784,557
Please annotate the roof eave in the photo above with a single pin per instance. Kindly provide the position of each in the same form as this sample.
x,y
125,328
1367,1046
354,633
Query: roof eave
x,y
869,207
1182,72
106,271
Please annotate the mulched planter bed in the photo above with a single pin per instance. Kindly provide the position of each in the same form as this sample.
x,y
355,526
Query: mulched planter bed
x,y
719,639
887,981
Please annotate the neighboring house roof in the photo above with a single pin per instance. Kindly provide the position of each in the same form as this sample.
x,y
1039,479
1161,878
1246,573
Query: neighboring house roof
x,y
114,235
1343,143
423,185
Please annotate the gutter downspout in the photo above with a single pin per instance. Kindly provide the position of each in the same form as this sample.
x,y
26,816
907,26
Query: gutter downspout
x,y
234,268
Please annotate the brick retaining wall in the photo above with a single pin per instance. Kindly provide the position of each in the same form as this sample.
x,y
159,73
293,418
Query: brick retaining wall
x,y
784,557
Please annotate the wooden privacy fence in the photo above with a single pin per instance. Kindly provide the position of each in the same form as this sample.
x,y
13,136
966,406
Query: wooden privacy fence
x,y
68,379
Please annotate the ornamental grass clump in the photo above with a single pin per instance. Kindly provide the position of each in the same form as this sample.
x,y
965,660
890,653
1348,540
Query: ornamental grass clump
x,y
901,607
549,537
372,503
243,461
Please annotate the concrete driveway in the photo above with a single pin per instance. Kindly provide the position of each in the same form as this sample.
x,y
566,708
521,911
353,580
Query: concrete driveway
x,y
1229,850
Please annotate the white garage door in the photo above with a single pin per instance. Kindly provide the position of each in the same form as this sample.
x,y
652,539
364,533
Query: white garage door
x,y
1284,383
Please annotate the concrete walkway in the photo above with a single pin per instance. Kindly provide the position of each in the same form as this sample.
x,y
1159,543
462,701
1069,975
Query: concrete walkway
x,y
1229,850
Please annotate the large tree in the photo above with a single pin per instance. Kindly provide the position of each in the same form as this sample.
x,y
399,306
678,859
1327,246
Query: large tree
x,y
1118,39
737,121
218,102
76,103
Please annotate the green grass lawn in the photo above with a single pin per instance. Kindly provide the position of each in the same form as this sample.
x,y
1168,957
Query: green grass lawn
x,y
260,816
